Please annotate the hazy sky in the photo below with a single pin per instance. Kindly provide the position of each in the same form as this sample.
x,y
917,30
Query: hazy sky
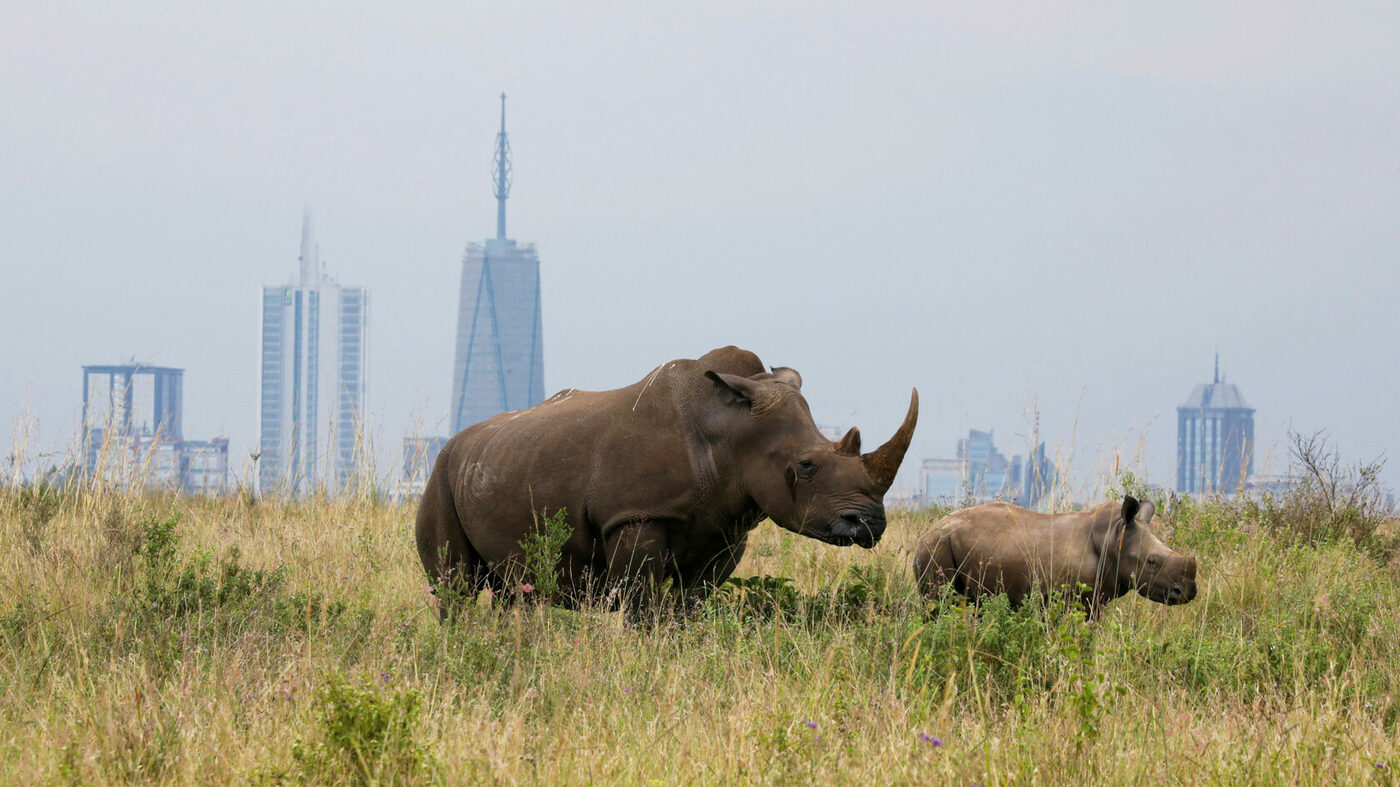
x,y
1002,204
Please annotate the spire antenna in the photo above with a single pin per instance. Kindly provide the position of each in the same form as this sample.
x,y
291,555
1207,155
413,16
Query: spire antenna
x,y
501,178
309,255
1217,366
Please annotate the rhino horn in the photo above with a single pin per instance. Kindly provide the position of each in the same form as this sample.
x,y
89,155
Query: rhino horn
x,y
882,463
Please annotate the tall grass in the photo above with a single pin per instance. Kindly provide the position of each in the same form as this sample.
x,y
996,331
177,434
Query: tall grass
x,y
151,638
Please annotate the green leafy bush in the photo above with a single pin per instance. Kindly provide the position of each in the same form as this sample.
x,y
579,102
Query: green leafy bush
x,y
365,734
175,589
540,552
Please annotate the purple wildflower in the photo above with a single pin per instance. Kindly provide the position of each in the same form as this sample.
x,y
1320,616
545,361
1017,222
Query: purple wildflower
x,y
385,676
811,724
931,740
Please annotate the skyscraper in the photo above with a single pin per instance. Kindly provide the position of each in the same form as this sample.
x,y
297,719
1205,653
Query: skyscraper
x,y
1214,439
314,337
499,359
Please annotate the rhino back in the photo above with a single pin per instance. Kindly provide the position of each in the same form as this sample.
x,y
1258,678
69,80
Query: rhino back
x,y
1014,546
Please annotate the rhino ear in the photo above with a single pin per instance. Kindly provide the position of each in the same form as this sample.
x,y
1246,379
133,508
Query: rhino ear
x,y
1145,512
850,444
1130,509
739,389
787,375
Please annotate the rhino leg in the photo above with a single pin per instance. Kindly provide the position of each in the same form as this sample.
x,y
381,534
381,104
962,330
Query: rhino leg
x,y
934,565
697,582
637,558
456,572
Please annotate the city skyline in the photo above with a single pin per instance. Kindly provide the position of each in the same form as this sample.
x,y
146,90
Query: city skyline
x,y
1062,210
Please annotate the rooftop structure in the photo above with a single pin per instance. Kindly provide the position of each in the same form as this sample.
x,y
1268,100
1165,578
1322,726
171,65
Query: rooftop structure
x,y
133,399
1214,439
131,431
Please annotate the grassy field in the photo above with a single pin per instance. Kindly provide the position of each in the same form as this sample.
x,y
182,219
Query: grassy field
x,y
148,639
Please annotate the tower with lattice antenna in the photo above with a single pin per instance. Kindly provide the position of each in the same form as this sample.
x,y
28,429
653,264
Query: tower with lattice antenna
x,y
499,359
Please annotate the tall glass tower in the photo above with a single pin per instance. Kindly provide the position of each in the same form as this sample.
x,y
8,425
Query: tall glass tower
x,y
1214,439
499,361
314,349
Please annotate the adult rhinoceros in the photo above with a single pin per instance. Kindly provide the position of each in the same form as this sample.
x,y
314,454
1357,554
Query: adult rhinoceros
x,y
660,480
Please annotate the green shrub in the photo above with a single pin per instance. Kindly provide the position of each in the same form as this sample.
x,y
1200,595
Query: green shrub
x,y
759,598
364,733
540,553
202,584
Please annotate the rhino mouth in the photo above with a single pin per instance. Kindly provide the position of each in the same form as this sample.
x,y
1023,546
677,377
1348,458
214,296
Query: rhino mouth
x,y
1179,595
856,527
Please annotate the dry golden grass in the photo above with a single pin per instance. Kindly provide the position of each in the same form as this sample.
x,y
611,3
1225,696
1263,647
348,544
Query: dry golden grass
x,y
117,665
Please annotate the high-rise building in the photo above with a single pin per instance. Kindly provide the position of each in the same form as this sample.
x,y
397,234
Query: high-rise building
x,y
132,431
1214,439
987,468
314,353
499,360
981,473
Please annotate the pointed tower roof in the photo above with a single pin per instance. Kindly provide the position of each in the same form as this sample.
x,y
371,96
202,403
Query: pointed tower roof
x,y
310,256
1216,395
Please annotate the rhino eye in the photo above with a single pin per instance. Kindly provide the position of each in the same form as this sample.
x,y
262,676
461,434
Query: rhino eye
x,y
806,468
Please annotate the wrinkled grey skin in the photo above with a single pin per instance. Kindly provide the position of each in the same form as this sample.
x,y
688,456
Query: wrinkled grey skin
x,y
661,480
999,547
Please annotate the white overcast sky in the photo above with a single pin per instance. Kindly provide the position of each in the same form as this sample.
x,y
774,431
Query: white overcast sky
x,y
1004,204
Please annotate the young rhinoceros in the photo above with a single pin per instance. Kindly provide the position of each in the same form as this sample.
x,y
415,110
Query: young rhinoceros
x,y
1000,547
